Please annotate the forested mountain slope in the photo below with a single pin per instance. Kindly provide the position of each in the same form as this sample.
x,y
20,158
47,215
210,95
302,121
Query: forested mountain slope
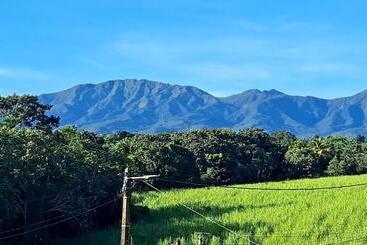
x,y
147,106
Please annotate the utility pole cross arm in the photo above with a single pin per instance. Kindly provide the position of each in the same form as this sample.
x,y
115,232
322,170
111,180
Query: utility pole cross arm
x,y
125,205
144,177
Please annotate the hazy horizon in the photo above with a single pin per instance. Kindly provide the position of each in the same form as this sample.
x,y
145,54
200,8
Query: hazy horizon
x,y
182,84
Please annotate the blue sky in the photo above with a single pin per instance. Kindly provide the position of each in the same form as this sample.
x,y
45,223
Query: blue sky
x,y
304,47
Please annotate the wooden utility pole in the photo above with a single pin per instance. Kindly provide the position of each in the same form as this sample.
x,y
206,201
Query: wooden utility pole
x,y
125,211
125,205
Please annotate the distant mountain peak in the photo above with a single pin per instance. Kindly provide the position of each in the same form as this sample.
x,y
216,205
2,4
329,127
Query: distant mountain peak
x,y
141,105
258,92
273,92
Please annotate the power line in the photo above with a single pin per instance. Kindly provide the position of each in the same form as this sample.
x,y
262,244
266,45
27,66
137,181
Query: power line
x,y
41,198
34,200
38,222
46,197
266,189
183,205
227,187
33,224
203,216
57,222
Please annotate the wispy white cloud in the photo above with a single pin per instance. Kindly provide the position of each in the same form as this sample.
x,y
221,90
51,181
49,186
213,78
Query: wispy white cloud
x,y
331,68
4,72
251,26
165,50
278,26
149,50
23,73
91,62
301,26
229,72
159,48
243,58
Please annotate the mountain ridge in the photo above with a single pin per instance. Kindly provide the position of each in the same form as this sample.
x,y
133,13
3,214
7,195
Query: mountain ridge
x,y
148,106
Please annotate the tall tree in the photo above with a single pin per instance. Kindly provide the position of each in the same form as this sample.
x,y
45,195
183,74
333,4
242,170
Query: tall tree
x,y
26,111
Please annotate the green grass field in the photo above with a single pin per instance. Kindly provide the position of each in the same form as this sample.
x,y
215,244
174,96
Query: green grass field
x,y
337,216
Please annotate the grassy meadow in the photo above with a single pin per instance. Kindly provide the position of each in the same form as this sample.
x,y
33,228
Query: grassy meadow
x,y
336,216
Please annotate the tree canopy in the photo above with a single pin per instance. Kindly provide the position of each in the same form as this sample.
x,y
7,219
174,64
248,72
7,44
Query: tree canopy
x,y
47,172
26,111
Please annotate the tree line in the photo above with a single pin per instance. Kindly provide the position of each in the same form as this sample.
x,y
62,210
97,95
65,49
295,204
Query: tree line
x,y
48,172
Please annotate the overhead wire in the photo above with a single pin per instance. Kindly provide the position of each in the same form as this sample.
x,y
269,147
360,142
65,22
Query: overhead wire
x,y
277,189
38,222
265,189
203,216
183,205
32,224
34,200
58,222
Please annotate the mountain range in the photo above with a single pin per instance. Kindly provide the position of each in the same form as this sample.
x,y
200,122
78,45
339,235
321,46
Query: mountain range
x,y
147,106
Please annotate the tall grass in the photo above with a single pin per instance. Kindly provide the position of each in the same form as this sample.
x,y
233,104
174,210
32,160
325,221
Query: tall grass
x,y
264,217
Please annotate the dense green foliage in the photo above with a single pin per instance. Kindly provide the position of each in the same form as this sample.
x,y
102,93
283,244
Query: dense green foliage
x,y
26,111
47,173
266,217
